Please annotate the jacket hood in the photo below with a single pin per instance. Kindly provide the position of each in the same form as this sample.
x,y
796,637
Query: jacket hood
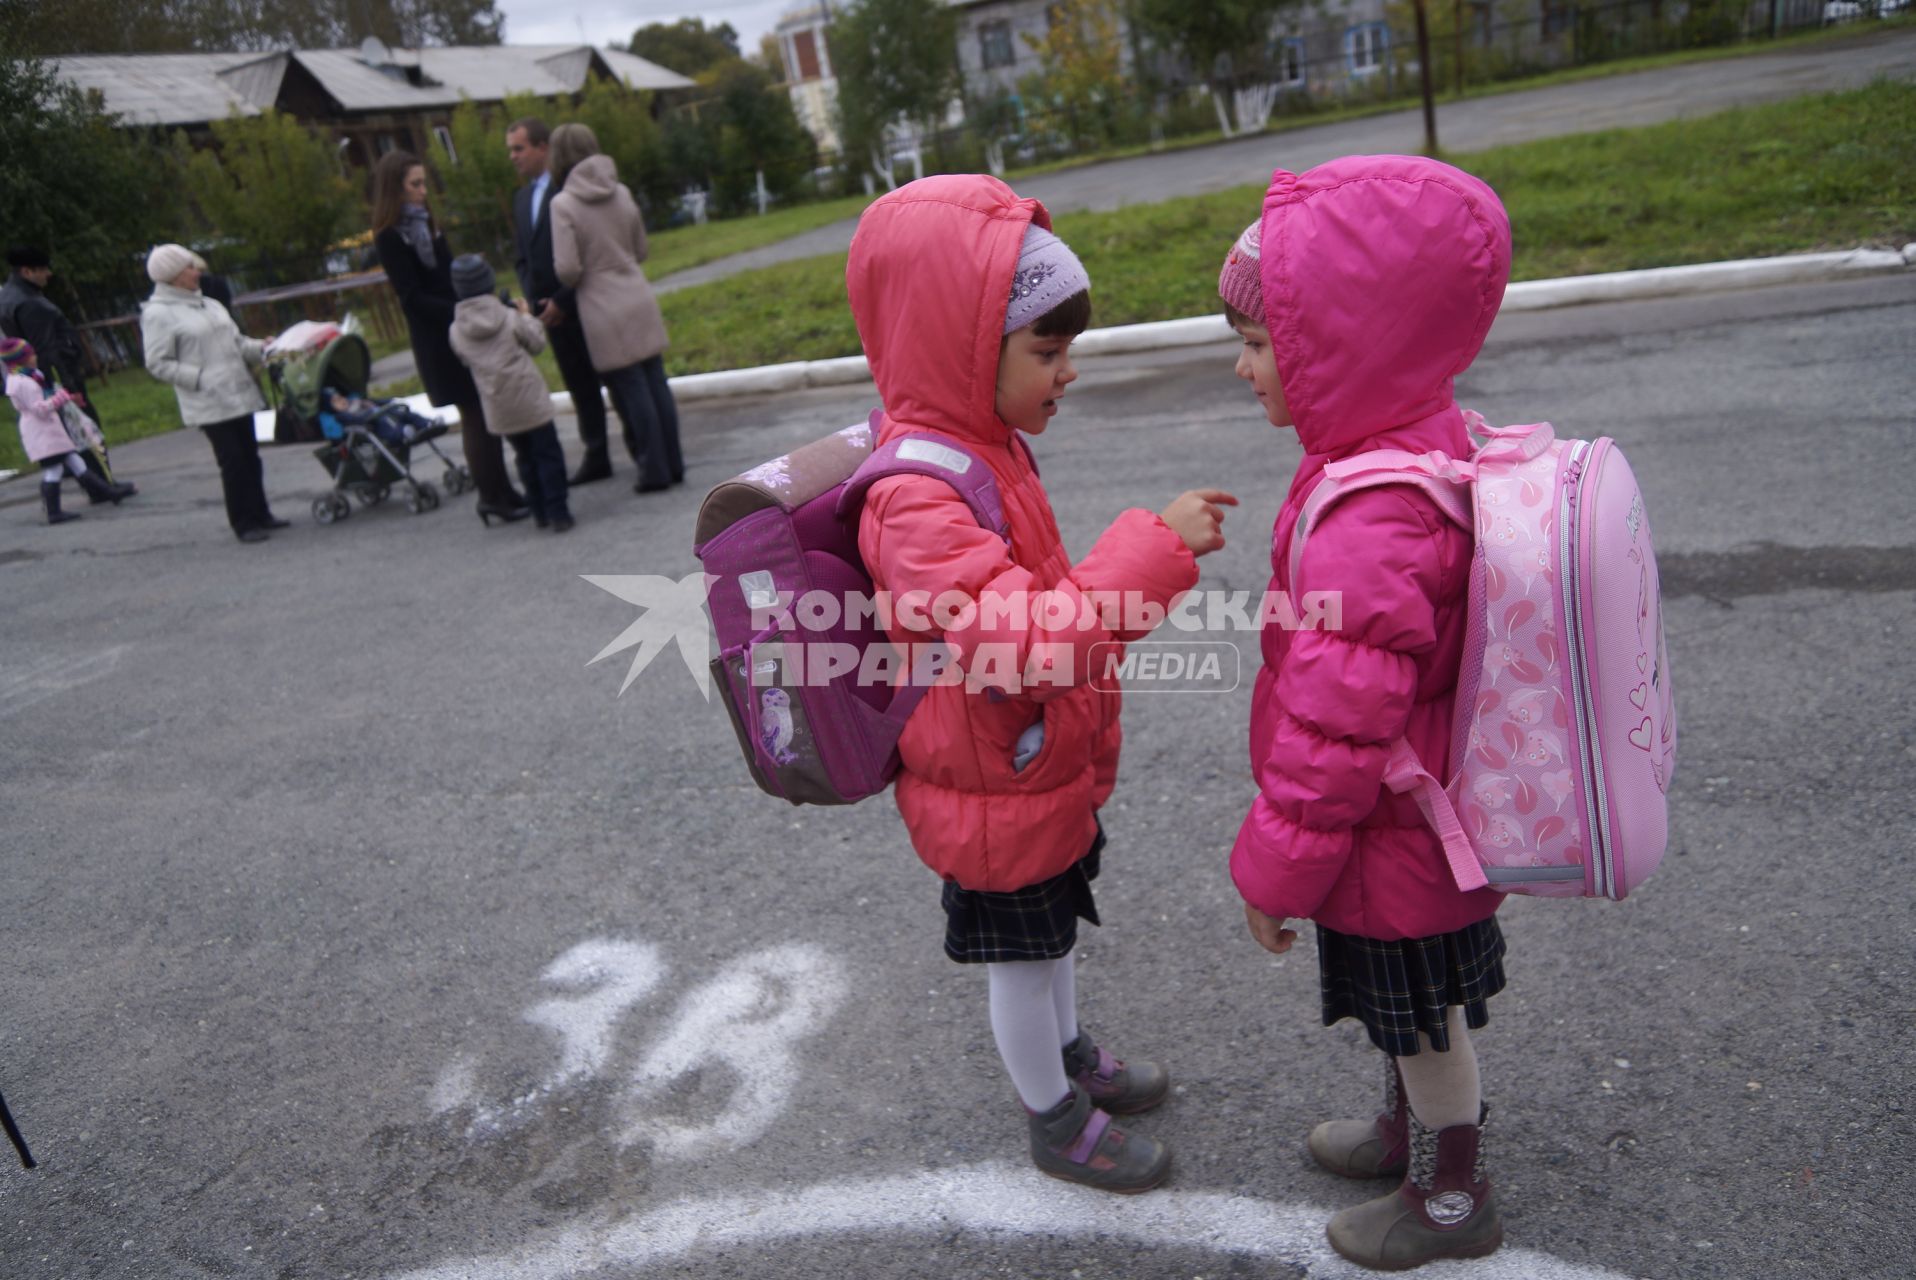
x,y
1381,277
929,278
593,179
481,317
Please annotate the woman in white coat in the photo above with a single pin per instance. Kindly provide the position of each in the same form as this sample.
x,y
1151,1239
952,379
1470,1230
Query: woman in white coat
x,y
193,343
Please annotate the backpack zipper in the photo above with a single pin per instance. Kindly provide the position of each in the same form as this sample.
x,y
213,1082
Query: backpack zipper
x,y
1590,761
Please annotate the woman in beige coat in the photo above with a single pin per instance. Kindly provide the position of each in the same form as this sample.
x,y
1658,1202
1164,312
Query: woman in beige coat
x,y
497,343
598,241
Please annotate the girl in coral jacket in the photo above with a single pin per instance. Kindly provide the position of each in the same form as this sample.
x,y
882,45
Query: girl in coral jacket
x,y
967,306
1367,286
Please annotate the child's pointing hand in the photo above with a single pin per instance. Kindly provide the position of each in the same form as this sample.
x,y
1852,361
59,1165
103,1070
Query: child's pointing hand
x,y
1196,517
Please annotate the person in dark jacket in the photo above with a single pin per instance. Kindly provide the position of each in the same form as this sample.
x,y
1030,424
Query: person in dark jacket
x,y
418,263
527,143
26,312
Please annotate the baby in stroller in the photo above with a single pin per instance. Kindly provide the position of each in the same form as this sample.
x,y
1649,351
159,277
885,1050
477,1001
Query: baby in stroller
x,y
390,420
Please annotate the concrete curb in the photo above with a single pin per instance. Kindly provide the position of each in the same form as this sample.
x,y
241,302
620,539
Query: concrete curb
x,y
1531,295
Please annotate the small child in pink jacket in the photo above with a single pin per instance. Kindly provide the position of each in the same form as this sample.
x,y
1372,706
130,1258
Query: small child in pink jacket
x,y
44,435
1367,286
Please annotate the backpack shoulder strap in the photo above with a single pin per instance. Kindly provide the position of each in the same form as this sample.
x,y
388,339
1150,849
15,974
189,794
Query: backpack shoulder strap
x,y
939,457
1442,479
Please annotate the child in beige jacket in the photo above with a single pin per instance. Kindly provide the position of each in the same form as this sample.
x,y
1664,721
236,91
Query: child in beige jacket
x,y
497,344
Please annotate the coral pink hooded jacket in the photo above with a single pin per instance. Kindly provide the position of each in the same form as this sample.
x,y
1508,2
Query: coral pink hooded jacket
x,y
1381,276
929,278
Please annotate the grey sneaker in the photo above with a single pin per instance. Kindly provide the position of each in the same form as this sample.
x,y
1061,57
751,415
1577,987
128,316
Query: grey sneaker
x,y
1120,1088
1079,1143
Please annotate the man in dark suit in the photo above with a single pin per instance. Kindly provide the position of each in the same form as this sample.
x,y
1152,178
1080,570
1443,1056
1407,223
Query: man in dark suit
x,y
551,301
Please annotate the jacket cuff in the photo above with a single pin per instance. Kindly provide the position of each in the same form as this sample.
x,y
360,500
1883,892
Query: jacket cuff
x,y
1283,869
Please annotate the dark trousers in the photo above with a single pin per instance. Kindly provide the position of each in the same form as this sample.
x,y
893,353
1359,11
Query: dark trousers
x,y
485,458
242,475
644,398
541,465
581,382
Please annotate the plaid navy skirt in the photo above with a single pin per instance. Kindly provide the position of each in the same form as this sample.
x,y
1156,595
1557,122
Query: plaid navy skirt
x,y
1397,989
1037,922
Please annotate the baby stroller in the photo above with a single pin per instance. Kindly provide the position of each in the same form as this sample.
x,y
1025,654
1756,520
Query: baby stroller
x,y
361,464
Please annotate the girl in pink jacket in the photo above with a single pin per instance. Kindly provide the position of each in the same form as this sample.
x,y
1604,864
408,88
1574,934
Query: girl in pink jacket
x,y
1364,290
967,306
43,432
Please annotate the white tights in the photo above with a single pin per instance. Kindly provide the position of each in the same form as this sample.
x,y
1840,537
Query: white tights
x,y
1034,1015
1444,1089
54,468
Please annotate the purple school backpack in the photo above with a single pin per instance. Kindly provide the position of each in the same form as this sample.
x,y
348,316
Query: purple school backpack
x,y
1564,740
798,670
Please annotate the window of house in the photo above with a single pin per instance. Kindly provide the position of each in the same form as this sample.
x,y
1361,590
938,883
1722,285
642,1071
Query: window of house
x,y
1482,20
994,44
1366,47
1558,17
1290,62
805,50
385,143
444,135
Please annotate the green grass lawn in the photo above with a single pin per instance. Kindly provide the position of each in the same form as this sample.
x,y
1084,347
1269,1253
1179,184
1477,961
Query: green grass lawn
x,y
1827,171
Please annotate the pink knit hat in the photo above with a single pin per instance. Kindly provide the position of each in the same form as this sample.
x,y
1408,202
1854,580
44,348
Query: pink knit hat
x,y
1238,283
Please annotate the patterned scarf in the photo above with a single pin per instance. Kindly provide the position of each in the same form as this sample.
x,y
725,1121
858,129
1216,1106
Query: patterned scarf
x,y
415,228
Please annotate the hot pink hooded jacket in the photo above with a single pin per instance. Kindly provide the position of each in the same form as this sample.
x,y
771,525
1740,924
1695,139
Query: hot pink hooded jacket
x,y
929,278
1381,275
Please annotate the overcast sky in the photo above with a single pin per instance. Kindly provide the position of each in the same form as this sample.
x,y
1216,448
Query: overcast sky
x,y
603,22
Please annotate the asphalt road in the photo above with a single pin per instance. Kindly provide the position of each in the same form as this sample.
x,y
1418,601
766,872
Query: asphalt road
x,y
357,927
1611,102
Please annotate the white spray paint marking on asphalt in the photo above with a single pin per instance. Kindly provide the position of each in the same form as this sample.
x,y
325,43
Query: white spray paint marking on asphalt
x,y
747,1020
726,1021
24,684
991,1199
616,977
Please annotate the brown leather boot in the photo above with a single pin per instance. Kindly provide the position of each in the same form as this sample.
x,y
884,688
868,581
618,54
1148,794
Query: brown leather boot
x,y
1378,1148
1444,1209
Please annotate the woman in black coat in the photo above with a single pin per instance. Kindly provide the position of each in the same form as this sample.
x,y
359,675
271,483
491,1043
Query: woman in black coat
x,y
418,263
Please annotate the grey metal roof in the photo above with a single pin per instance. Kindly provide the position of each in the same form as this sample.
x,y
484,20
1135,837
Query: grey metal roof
x,y
190,88
163,88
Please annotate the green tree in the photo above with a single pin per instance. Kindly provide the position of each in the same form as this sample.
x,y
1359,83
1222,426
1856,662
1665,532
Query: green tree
x,y
621,118
687,46
476,177
92,195
895,59
1224,41
165,26
758,132
1081,55
275,188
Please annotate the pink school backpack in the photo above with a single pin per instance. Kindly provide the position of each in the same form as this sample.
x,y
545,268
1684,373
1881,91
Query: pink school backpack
x,y
786,532
1565,734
